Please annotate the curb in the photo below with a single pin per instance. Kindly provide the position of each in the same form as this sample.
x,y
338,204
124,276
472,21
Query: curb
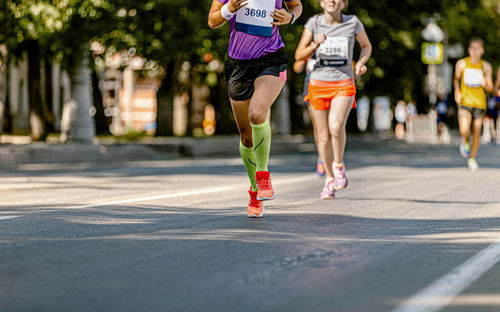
x,y
109,150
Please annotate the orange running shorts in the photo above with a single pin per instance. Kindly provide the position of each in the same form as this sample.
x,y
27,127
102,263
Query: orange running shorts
x,y
321,93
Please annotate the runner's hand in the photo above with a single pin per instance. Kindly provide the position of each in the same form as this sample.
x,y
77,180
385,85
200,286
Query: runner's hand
x,y
235,5
319,40
360,69
458,97
281,17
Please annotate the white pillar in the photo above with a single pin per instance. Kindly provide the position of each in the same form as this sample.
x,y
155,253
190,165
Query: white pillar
x,y
77,125
128,92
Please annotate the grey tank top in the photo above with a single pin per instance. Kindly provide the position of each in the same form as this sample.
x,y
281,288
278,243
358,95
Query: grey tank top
x,y
334,56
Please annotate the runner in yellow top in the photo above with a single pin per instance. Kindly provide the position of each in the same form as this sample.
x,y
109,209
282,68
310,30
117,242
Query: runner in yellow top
x,y
473,76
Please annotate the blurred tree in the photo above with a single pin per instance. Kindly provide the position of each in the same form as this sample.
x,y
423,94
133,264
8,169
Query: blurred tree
x,y
171,32
480,18
143,27
55,31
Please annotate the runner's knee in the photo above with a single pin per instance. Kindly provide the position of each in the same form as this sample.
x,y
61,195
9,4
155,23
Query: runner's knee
x,y
257,117
336,129
323,140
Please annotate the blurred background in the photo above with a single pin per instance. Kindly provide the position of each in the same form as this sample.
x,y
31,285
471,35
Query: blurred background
x,y
71,70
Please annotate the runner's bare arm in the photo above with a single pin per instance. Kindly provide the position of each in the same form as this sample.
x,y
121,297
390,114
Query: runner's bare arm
x,y
215,18
366,52
488,77
306,45
283,17
299,66
459,68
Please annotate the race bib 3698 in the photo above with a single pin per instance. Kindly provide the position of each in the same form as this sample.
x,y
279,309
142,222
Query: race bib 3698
x,y
255,18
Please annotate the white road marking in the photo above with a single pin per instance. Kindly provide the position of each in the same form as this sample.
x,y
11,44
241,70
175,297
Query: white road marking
x,y
189,193
440,293
157,197
8,217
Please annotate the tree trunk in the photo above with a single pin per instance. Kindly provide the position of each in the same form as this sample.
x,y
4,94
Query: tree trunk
x,y
48,97
77,124
36,109
101,125
165,102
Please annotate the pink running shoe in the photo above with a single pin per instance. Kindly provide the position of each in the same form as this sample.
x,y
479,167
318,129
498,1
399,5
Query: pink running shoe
x,y
328,191
340,180
320,168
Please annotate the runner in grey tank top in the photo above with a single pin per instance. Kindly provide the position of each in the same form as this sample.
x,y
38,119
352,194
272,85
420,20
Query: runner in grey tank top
x,y
331,88
335,54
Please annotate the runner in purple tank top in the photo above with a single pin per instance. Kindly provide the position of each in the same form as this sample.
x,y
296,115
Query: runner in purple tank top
x,y
255,73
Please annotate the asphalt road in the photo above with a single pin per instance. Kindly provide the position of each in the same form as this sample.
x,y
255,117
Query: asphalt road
x,y
414,231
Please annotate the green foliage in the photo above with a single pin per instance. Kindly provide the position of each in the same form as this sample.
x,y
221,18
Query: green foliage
x,y
394,28
164,30
62,28
466,19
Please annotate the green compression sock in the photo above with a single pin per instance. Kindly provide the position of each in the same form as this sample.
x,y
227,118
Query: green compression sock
x,y
261,136
248,156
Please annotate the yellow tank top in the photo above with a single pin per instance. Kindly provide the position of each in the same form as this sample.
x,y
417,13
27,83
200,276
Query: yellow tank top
x,y
473,94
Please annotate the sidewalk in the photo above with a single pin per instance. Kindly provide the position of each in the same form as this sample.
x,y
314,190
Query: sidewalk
x,y
17,151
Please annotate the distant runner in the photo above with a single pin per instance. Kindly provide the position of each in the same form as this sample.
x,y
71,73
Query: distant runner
x,y
473,76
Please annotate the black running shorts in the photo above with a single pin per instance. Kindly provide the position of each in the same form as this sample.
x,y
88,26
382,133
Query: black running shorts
x,y
476,112
241,74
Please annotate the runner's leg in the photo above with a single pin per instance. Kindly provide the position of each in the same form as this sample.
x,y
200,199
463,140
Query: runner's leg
x,y
267,89
464,122
337,119
255,208
477,126
325,151
323,141
240,112
493,130
315,134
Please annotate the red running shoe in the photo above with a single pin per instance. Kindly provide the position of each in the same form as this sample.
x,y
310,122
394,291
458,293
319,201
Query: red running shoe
x,y
255,208
266,191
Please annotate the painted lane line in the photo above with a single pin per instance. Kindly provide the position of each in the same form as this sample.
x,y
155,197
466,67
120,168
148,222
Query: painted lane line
x,y
440,293
8,217
188,193
296,179
157,197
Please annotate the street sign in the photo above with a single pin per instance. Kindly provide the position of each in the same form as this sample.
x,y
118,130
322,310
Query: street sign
x,y
432,32
432,53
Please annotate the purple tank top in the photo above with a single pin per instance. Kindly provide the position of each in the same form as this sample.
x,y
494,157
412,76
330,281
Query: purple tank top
x,y
243,46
